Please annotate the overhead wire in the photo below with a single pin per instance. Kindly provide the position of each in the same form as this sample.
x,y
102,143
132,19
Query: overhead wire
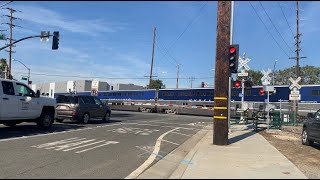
x,y
275,27
268,29
186,28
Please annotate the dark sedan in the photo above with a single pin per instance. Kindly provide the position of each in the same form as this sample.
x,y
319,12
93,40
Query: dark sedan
x,y
311,129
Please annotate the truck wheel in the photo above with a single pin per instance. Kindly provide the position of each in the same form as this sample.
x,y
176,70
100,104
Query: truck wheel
x,y
85,118
305,138
46,120
106,117
10,124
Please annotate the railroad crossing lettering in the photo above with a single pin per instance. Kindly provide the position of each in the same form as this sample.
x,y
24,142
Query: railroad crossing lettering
x,y
294,83
79,144
125,130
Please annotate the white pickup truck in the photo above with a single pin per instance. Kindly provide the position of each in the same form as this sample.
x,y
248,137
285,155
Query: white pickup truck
x,y
19,103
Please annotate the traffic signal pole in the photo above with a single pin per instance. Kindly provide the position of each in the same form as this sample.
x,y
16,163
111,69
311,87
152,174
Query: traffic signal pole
x,y
220,124
230,78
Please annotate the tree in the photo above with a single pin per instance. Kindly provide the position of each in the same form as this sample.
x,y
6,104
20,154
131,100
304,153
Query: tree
x,y
156,84
3,64
308,74
255,77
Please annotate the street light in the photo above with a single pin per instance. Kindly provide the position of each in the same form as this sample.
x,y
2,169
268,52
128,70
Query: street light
x,y
274,66
27,68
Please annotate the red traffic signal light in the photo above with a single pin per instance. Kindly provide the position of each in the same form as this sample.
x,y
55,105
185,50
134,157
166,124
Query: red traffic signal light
x,y
237,84
232,50
261,92
233,58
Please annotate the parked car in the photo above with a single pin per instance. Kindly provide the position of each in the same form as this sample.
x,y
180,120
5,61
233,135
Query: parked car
x,y
19,103
81,108
311,129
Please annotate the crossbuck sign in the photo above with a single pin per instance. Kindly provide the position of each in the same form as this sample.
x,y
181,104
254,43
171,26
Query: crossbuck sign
x,y
295,83
266,78
243,64
294,87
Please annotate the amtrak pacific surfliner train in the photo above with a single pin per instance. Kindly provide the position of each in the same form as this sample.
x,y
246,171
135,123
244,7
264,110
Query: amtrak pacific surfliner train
x,y
309,93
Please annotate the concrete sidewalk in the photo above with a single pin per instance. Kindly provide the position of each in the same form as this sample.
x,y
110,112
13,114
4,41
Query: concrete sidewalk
x,y
247,156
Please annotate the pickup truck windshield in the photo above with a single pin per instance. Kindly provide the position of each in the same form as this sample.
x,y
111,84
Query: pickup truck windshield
x,y
67,99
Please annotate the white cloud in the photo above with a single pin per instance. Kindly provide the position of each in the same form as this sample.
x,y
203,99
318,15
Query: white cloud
x,y
46,17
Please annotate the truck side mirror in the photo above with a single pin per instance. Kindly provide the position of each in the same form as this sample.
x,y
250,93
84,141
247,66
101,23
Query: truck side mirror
x,y
310,115
38,93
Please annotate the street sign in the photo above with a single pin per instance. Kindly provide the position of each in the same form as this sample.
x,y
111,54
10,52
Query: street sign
x,y
45,36
295,92
243,74
294,97
24,78
294,83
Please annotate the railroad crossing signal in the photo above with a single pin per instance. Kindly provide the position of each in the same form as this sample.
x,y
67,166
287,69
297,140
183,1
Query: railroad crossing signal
x,y
295,83
266,78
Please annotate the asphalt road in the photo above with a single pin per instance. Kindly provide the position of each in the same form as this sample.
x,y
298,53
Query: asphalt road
x,y
94,150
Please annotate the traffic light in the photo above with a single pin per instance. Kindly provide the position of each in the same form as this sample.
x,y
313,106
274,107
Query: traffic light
x,y
202,84
237,84
248,84
233,58
55,41
261,92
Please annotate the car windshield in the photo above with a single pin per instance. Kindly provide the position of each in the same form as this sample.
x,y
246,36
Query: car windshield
x,y
67,99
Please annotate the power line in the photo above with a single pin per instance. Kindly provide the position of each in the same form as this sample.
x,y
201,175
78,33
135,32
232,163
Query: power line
x,y
74,76
267,29
166,49
187,27
275,27
286,18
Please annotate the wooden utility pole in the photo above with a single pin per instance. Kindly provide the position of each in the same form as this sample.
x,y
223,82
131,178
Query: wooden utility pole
x,y
297,58
220,124
154,40
177,85
11,25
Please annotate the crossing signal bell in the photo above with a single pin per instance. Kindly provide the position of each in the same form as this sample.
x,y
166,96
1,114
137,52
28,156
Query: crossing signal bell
x,y
233,58
55,41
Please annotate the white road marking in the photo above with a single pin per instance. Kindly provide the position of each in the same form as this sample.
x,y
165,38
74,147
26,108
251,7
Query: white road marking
x,y
83,145
180,124
170,142
91,128
58,148
182,134
151,158
109,142
56,142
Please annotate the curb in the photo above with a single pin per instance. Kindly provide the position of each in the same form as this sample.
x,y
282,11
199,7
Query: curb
x,y
176,160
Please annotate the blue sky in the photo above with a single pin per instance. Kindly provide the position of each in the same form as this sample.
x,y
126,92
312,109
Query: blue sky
x,y
110,40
